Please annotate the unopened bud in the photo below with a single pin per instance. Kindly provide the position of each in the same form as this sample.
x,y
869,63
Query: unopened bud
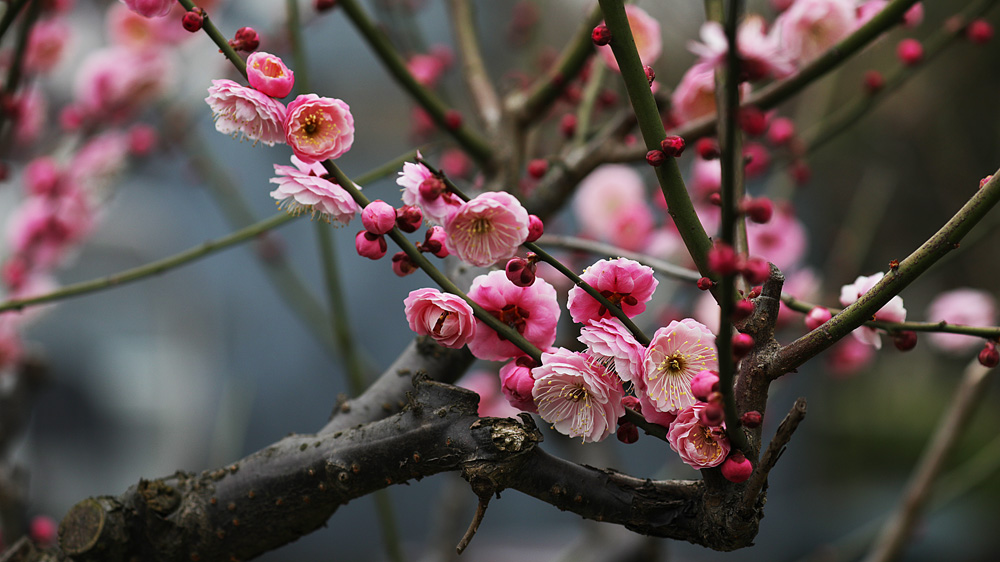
x,y
742,309
535,228
905,340
705,283
192,20
628,432
712,415
988,356
751,419
655,158
756,271
402,265
673,145
409,218
601,35
703,384
521,272
736,468
742,344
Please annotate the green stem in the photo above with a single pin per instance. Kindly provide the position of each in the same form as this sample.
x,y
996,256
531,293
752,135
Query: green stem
x,y
152,268
547,89
650,124
298,51
849,114
219,39
728,101
477,81
585,112
477,147
940,244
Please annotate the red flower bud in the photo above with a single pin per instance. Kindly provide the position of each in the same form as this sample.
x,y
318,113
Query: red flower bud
x,y
722,259
246,40
192,21
742,309
873,82
655,158
673,145
759,210
910,52
705,283
756,271
905,340
535,228
989,356
736,468
627,432
538,167
742,344
979,32
751,419
707,149
601,35
409,218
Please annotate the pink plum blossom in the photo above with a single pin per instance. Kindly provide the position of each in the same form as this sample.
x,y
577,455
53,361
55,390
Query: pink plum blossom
x,y
781,240
303,188
761,54
674,356
378,217
631,226
849,356
116,81
487,229
810,27
965,306
608,339
43,177
694,96
99,162
892,311
31,115
517,382
697,444
268,74
626,283
44,229
319,128
46,44
445,317
150,8
437,209
245,112
532,311
426,69
577,395
607,194
645,31
491,402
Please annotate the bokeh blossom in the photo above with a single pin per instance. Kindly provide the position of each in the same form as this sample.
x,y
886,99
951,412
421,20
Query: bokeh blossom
x,y
445,317
303,189
645,31
532,311
810,27
627,284
610,202
697,444
242,111
577,395
965,306
487,229
761,54
674,355
150,8
892,311
319,128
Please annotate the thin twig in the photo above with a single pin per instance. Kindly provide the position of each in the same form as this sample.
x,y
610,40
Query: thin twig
x,y
774,449
474,524
897,529
484,95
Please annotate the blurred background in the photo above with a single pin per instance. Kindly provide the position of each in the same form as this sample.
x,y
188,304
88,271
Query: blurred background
x,y
206,363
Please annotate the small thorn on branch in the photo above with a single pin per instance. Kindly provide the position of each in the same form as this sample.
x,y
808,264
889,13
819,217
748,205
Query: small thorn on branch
x,y
774,449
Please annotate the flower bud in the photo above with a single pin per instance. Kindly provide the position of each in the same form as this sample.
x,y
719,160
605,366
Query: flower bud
x,y
601,35
742,344
371,246
873,82
705,283
755,291
409,218
707,148
402,265
434,242
989,356
736,468
246,40
759,210
655,158
703,384
781,131
452,120
192,20
979,32
567,125
712,415
751,419
650,74
905,340
910,52
756,271
817,317
752,120
722,259
715,198
742,309
538,167
43,530
535,228
632,403
378,217
521,272
628,432
673,145
324,5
